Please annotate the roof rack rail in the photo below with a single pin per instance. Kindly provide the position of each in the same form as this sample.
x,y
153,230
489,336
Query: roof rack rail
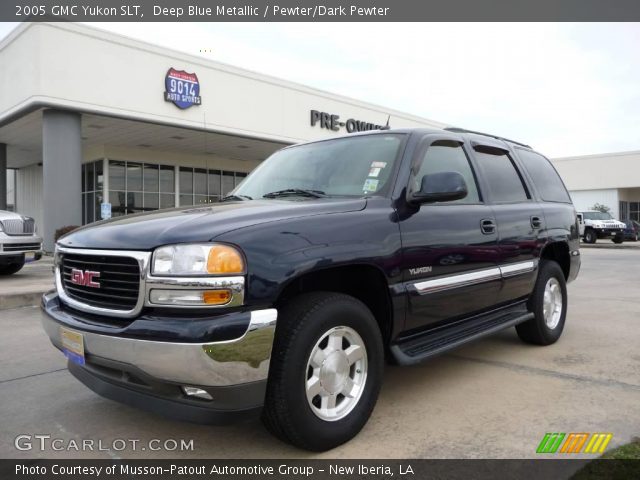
x,y
464,130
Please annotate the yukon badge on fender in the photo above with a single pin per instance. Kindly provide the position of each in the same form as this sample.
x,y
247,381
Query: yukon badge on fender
x,y
285,299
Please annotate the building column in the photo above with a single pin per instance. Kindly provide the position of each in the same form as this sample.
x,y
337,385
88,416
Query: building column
x,y
3,176
62,171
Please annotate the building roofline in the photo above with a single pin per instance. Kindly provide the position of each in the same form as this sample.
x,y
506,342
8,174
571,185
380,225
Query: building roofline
x,y
101,34
596,155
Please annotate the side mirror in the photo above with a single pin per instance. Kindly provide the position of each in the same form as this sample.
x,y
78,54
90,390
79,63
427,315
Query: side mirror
x,y
441,187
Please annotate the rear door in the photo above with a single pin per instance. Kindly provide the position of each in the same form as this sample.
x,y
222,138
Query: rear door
x,y
449,260
519,218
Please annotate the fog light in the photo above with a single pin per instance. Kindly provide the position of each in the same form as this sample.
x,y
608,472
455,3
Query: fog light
x,y
189,297
196,392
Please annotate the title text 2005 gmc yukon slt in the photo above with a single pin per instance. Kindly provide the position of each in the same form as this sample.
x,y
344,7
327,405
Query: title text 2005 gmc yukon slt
x,y
287,297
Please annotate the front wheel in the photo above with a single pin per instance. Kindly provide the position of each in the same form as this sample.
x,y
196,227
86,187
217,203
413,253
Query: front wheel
x,y
326,371
618,239
11,268
590,236
548,303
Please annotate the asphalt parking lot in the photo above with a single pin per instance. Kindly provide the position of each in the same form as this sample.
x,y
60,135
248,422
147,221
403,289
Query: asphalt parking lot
x,y
492,399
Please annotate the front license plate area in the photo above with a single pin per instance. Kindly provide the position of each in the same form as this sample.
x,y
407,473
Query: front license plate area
x,y
72,345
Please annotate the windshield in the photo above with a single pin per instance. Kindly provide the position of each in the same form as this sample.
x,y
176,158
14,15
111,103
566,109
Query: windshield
x,y
351,166
596,216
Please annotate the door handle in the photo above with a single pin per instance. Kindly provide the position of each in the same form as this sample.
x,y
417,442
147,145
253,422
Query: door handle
x,y
536,222
488,226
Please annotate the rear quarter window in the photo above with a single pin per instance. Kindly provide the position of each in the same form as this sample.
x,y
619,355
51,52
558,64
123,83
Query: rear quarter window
x,y
544,176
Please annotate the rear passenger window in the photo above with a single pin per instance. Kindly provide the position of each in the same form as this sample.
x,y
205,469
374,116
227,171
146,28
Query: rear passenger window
x,y
545,177
505,184
447,156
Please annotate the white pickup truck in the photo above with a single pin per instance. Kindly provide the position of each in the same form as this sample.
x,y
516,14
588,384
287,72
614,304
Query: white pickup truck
x,y
19,242
594,225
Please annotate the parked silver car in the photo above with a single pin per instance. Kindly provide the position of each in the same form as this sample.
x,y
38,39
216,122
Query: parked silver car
x,y
19,242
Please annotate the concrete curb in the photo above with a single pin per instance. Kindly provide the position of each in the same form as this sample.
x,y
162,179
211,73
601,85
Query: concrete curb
x,y
613,246
16,300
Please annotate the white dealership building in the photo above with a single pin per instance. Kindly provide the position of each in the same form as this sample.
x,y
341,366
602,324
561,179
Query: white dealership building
x,y
94,124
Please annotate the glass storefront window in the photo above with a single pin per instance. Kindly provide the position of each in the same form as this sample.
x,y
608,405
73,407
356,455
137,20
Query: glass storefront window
x,y
142,187
200,181
167,200
134,177
167,179
228,182
186,180
151,178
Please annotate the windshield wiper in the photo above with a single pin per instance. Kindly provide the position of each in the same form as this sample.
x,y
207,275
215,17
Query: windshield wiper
x,y
295,191
236,197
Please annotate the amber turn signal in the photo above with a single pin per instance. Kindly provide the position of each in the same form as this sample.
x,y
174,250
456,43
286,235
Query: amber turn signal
x,y
216,297
224,259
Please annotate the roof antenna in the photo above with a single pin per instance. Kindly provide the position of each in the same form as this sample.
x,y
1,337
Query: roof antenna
x,y
386,127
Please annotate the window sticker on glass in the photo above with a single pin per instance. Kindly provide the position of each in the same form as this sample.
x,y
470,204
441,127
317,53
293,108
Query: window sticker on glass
x,y
374,172
370,185
378,164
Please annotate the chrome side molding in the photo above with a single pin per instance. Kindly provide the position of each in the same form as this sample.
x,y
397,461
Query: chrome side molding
x,y
475,277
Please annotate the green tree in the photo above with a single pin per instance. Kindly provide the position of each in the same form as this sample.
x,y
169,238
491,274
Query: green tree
x,y
601,208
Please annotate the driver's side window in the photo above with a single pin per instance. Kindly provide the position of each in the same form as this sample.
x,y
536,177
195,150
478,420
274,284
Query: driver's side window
x,y
448,157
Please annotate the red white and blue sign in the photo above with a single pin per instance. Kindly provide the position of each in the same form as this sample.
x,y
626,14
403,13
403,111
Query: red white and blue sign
x,y
182,88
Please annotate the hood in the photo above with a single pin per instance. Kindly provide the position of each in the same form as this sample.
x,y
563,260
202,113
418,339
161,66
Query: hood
x,y
6,215
198,224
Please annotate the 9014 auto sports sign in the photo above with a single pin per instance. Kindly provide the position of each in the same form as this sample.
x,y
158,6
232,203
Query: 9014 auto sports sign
x,y
182,88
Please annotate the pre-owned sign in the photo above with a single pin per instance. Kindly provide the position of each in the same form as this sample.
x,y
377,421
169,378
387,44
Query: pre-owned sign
x,y
331,121
182,88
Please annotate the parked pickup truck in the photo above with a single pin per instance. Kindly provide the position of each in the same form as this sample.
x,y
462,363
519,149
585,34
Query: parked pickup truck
x,y
286,298
19,242
594,225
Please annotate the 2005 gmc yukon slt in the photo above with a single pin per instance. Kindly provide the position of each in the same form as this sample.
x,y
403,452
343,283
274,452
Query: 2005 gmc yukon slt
x,y
287,297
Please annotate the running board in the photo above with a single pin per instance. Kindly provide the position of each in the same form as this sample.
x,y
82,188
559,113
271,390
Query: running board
x,y
434,342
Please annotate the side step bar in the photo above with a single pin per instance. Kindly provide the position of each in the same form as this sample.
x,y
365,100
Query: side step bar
x,y
434,342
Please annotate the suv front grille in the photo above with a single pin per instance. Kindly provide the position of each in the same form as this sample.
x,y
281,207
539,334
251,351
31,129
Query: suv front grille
x,y
20,247
18,226
118,280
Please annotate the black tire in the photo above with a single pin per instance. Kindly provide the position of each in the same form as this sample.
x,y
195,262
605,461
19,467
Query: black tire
x,y
11,268
617,240
302,322
590,236
536,330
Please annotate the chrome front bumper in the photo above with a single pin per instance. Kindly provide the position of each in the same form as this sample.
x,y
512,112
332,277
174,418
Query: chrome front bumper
x,y
225,363
12,245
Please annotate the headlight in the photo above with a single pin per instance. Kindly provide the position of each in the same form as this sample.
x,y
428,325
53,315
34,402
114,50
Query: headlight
x,y
197,259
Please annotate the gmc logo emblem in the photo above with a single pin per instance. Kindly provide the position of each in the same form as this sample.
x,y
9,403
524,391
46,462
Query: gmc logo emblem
x,y
85,278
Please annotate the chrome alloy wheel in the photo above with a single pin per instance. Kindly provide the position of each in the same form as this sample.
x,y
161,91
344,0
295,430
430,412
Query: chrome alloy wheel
x,y
336,373
552,303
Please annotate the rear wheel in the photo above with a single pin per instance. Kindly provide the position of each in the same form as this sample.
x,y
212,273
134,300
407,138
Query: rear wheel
x,y
590,236
548,303
11,268
326,371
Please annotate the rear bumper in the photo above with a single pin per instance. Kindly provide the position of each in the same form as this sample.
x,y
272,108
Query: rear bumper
x,y
150,373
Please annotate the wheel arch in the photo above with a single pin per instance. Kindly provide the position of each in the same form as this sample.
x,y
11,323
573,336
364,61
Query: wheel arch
x,y
559,253
365,282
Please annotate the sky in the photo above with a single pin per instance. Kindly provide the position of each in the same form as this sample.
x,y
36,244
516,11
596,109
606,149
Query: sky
x,y
563,88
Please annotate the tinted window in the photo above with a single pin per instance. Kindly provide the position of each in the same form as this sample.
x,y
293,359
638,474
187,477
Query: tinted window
x,y
502,177
448,157
544,176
